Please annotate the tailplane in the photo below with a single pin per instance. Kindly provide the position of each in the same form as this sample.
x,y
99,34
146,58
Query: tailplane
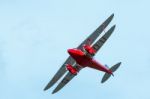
x,y
113,69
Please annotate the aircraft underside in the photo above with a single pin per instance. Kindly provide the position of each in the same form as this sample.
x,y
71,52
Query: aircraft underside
x,y
82,56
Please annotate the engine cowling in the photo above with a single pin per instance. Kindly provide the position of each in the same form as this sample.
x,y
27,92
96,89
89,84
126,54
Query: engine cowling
x,y
71,69
89,49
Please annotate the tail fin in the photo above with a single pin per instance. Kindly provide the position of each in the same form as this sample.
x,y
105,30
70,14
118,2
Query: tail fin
x,y
113,69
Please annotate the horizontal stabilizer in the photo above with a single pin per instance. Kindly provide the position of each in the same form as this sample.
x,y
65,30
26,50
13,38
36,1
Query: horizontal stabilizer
x,y
113,69
105,77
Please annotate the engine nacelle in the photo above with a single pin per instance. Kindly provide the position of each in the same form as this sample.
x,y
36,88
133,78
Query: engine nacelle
x,y
89,49
71,69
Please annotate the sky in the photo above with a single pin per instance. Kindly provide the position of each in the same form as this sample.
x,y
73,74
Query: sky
x,y
35,34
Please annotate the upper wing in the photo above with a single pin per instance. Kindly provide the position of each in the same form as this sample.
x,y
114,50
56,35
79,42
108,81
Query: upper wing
x,y
59,73
71,61
65,80
97,32
103,39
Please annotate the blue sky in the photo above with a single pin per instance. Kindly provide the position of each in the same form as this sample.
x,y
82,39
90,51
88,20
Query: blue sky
x,y
35,34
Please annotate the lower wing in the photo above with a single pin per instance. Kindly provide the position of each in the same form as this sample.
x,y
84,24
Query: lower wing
x,y
66,79
59,73
103,39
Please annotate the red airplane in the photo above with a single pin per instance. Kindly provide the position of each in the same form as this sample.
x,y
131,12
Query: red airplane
x,y
82,57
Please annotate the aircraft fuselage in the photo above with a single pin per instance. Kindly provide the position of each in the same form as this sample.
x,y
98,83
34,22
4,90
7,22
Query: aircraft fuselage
x,y
85,61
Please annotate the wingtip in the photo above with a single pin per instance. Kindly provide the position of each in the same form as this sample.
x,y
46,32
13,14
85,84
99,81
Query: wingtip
x,y
115,26
48,86
54,92
111,16
102,82
120,63
44,89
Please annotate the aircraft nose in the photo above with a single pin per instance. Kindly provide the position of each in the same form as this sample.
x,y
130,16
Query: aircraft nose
x,y
70,51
